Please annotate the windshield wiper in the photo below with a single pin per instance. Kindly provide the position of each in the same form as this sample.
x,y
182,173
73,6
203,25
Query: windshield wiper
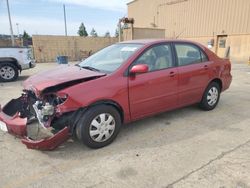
x,y
91,68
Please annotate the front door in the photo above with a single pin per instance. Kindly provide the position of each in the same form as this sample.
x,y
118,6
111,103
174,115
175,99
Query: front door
x,y
156,90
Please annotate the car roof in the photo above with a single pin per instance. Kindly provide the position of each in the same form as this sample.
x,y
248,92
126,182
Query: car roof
x,y
156,41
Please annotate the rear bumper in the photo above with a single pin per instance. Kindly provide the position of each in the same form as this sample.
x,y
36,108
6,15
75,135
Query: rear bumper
x,y
17,126
28,65
227,80
32,63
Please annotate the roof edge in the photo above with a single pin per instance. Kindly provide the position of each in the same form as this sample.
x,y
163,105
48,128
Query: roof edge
x,y
132,2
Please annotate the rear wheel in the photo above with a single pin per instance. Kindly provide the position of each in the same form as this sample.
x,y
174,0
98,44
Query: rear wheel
x,y
8,72
211,96
99,126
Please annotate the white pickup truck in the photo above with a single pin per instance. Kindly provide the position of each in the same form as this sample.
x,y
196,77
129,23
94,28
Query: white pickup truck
x,y
13,60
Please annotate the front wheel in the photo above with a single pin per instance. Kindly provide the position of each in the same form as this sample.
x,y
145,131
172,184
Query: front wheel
x,y
210,97
99,126
8,72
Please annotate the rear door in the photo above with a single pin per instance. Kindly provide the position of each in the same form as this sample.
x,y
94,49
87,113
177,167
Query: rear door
x,y
194,72
156,90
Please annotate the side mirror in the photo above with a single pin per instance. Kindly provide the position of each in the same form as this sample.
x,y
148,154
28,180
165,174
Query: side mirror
x,y
142,68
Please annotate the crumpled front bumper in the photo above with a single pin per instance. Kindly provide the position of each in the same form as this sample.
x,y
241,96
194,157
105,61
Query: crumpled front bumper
x,y
49,143
14,125
18,126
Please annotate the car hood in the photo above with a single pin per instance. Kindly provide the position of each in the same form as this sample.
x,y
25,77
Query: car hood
x,y
63,76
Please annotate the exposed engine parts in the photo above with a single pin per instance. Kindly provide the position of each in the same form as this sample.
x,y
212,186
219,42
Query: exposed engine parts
x,y
43,112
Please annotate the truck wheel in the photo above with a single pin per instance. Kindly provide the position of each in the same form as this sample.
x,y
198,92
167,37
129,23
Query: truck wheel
x,y
99,126
8,72
210,97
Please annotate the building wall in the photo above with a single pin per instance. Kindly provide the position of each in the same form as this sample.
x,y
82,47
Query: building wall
x,y
199,20
8,43
142,33
193,17
47,48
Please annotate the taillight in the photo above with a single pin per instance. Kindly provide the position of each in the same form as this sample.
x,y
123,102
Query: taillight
x,y
228,65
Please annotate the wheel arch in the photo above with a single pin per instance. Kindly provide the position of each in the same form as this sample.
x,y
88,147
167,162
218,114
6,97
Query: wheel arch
x,y
11,60
218,81
113,103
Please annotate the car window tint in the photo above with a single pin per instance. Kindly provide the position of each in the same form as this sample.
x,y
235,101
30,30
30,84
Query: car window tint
x,y
157,58
189,54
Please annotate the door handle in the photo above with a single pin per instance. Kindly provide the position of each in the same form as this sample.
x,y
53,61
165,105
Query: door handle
x,y
172,74
205,67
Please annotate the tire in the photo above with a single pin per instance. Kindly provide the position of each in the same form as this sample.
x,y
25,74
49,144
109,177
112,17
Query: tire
x,y
8,72
99,126
210,97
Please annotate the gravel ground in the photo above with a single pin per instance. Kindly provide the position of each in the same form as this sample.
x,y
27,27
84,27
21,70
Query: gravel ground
x,y
183,148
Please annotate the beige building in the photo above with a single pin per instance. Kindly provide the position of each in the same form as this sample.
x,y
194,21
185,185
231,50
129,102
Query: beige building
x,y
220,24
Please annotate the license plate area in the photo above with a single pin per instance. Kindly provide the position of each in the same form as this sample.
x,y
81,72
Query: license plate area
x,y
3,126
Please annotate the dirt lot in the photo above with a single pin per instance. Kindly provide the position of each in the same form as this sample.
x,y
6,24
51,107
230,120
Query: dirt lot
x,y
184,148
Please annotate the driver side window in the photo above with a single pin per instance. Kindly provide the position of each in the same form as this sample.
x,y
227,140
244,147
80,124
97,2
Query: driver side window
x,y
157,58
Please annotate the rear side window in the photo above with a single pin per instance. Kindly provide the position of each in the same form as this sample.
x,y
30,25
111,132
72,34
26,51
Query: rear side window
x,y
189,54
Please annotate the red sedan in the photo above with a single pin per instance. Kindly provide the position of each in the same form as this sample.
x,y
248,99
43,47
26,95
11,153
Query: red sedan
x,y
119,84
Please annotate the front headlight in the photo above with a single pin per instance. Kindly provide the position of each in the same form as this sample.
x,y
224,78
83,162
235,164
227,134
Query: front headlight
x,y
61,97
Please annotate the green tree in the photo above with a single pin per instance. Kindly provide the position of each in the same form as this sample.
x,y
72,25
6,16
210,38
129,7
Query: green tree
x,y
26,36
107,34
93,33
82,31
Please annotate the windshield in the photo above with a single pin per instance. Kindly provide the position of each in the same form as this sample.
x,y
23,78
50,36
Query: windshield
x,y
111,58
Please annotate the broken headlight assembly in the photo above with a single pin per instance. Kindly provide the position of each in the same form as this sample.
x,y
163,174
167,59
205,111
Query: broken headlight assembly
x,y
46,109
61,98
56,99
36,119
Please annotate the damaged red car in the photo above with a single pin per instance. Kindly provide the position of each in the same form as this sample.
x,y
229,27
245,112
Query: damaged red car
x,y
122,83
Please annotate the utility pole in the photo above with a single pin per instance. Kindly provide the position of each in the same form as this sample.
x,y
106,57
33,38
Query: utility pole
x,y
65,21
11,29
17,27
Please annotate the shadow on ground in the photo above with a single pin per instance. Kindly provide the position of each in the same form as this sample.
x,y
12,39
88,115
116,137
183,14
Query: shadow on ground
x,y
138,135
